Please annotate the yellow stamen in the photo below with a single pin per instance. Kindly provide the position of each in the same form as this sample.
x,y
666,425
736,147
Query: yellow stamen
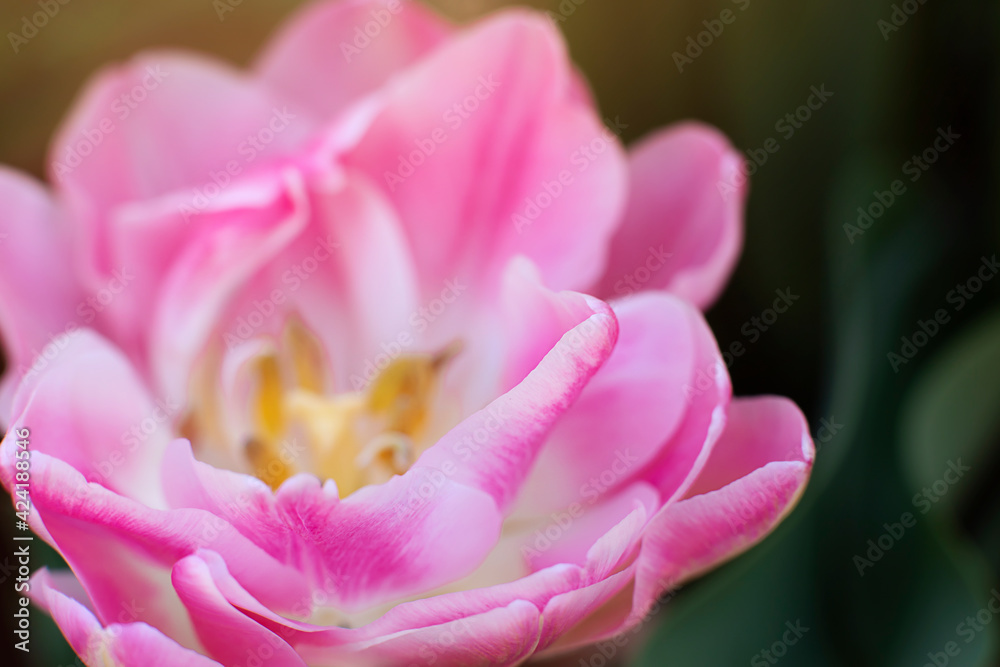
x,y
353,438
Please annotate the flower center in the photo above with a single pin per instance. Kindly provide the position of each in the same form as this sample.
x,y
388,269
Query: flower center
x,y
354,438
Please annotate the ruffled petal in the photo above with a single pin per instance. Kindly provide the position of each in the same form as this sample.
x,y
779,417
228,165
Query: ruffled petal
x,y
164,123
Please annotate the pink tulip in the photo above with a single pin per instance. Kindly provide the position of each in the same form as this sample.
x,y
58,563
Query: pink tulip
x,y
384,352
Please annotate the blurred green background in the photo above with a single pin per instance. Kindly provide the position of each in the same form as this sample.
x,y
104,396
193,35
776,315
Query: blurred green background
x,y
885,433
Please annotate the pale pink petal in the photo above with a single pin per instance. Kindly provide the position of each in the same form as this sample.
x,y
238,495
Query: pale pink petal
x,y
683,228
599,537
374,273
334,52
89,408
462,180
164,122
39,294
129,644
588,614
213,268
502,637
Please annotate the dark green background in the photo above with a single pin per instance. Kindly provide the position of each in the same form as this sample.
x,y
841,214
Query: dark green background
x,y
829,352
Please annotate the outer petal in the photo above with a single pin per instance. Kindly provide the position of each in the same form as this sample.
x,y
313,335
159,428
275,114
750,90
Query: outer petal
x,y
334,52
684,224
498,625
122,551
38,291
163,123
125,643
487,153
90,409
652,411
755,475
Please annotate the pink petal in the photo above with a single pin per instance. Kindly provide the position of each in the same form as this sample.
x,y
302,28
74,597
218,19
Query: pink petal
x,y
681,232
502,637
475,171
126,643
498,624
228,635
642,413
756,474
532,320
39,295
90,409
163,123
123,551
495,448
316,59
379,544
600,538
587,614
214,267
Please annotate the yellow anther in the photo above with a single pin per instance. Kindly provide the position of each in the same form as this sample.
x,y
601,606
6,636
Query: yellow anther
x,y
352,438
